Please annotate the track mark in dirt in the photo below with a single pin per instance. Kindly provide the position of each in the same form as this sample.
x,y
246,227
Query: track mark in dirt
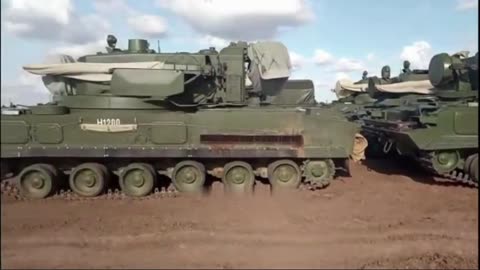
x,y
426,261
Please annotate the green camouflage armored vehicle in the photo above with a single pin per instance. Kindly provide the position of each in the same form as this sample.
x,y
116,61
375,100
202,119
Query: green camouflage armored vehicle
x,y
139,115
434,122
387,92
356,102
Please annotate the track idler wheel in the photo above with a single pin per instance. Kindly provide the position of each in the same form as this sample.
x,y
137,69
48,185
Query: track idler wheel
x,y
468,163
89,179
137,179
474,169
445,161
38,181
319,173
189,176
238,177
284,175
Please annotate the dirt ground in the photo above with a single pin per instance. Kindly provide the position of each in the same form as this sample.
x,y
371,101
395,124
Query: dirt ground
x,y
382,217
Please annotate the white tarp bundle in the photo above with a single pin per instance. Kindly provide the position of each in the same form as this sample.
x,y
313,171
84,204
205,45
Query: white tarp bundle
x,y
94,72
344,88
462,54
414,87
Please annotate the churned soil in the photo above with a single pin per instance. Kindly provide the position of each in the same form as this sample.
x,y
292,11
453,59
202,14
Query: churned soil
x,y
382,217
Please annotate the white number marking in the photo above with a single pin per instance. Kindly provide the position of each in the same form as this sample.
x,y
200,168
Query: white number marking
x,y
108,121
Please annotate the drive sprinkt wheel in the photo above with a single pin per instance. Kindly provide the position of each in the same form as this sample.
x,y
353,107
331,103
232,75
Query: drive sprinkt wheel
x,y
319,173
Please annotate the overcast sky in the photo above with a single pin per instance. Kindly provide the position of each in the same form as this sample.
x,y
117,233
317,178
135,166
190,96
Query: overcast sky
x,y
328,39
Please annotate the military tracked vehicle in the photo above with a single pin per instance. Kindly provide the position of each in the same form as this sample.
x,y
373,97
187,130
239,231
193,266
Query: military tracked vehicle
x,y
435,122
127,117
356,101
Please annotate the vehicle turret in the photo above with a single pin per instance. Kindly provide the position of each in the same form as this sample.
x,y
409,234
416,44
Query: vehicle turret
x,y
455,76
238,75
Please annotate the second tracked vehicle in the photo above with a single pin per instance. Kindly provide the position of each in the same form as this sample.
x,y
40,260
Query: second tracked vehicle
x,y
434,122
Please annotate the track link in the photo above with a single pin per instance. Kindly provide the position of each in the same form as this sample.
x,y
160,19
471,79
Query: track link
x,y
9,189
308,184
459,176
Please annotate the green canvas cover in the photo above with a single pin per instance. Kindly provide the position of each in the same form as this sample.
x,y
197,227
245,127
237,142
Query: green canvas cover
x,y
271,58
296,92
270,67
